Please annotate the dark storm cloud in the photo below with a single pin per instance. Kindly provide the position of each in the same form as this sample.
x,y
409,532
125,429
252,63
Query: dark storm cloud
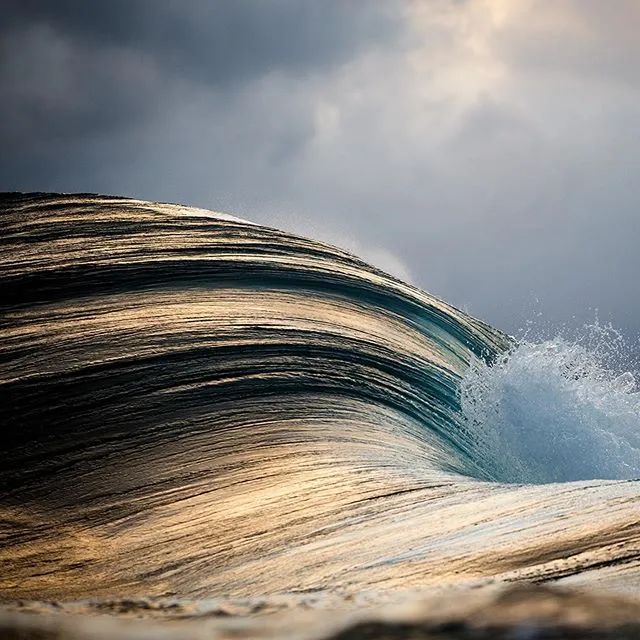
x,y
71,69
223,42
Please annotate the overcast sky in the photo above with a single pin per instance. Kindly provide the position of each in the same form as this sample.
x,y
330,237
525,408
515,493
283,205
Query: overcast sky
x,y
486,150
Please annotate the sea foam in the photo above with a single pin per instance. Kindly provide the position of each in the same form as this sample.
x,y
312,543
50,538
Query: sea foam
x,y
555,411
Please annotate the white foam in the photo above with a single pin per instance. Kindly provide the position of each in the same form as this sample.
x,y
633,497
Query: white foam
x,y
553,411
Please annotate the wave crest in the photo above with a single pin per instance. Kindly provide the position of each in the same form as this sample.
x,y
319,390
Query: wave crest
x,y
555,411
196,405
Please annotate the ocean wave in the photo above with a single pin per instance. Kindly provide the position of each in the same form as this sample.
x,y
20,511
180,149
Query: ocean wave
x,y
554,411
195,405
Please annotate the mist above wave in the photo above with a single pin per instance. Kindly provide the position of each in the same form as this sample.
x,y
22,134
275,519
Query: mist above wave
x,y
556,411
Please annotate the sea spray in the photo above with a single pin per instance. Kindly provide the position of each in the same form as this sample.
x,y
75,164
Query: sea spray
x,y
556,410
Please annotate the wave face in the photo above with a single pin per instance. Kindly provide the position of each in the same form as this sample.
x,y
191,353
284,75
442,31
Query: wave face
x,y
196,405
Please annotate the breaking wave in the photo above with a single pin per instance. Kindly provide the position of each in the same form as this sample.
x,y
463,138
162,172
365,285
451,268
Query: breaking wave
x,y
196,405
554,411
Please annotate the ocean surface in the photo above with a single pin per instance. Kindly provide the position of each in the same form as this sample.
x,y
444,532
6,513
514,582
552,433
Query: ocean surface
x,y
196,406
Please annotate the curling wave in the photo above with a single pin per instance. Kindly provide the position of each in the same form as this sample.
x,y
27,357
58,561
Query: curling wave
x,y
196,405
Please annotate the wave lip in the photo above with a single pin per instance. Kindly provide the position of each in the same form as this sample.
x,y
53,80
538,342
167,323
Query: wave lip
x,y
194,404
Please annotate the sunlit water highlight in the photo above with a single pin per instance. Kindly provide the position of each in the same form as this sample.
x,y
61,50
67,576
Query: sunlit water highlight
x,y
195,406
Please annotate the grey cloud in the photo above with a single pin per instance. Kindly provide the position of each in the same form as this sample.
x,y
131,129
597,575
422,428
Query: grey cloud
x,y
93,64
217,42
602,46
71,68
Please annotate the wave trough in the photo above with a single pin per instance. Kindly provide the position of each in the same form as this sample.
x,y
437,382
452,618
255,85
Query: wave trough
x,y
196,405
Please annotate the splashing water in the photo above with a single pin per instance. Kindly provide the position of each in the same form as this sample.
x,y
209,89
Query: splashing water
x,y
556,411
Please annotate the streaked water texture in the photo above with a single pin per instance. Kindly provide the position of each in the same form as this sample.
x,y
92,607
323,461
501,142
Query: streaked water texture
x,y
194,405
